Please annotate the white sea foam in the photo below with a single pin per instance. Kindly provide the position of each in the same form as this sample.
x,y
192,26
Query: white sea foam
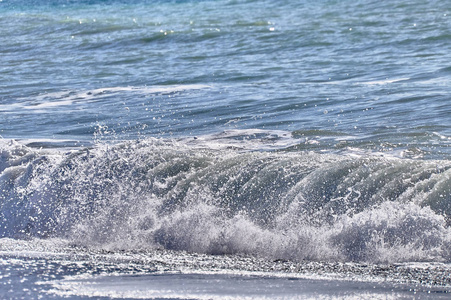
x,y
244,139
384,81
282,205
69,98
50,104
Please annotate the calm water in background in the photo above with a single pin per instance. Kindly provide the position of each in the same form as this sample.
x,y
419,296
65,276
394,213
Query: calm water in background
x,y
292,132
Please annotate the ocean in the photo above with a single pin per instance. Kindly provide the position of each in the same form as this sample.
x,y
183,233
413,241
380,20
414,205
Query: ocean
x,y
225,149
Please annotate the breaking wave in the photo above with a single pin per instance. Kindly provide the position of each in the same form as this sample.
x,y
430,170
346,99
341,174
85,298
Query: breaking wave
x,y
277,204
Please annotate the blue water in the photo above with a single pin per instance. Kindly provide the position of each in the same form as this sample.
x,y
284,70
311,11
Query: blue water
x,y
283,130
367,73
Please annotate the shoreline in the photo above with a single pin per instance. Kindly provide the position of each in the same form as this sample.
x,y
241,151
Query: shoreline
x,y
77,273
232,286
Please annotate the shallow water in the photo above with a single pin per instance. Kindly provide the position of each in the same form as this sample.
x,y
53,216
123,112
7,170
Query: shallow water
x,y
69,274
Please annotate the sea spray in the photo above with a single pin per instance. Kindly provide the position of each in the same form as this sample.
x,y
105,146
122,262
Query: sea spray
x,y
156,193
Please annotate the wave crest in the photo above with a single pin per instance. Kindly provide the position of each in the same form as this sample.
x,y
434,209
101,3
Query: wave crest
x,y
281,205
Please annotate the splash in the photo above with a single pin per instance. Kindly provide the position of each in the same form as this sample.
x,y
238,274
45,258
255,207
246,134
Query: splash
x,y
167,194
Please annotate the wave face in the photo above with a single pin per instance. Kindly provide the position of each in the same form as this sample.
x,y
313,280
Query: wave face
x,y
152,194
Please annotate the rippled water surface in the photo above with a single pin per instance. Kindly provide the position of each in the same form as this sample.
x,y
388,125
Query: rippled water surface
x,y
287,138
370,73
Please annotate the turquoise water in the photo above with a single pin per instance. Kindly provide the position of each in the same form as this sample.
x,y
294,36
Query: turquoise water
x,y
368,74
289,132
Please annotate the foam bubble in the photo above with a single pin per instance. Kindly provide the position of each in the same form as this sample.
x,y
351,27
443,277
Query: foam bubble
x,y
68,99
155,193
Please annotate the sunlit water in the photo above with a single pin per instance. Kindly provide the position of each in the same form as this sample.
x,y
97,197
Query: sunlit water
x,y
284,131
